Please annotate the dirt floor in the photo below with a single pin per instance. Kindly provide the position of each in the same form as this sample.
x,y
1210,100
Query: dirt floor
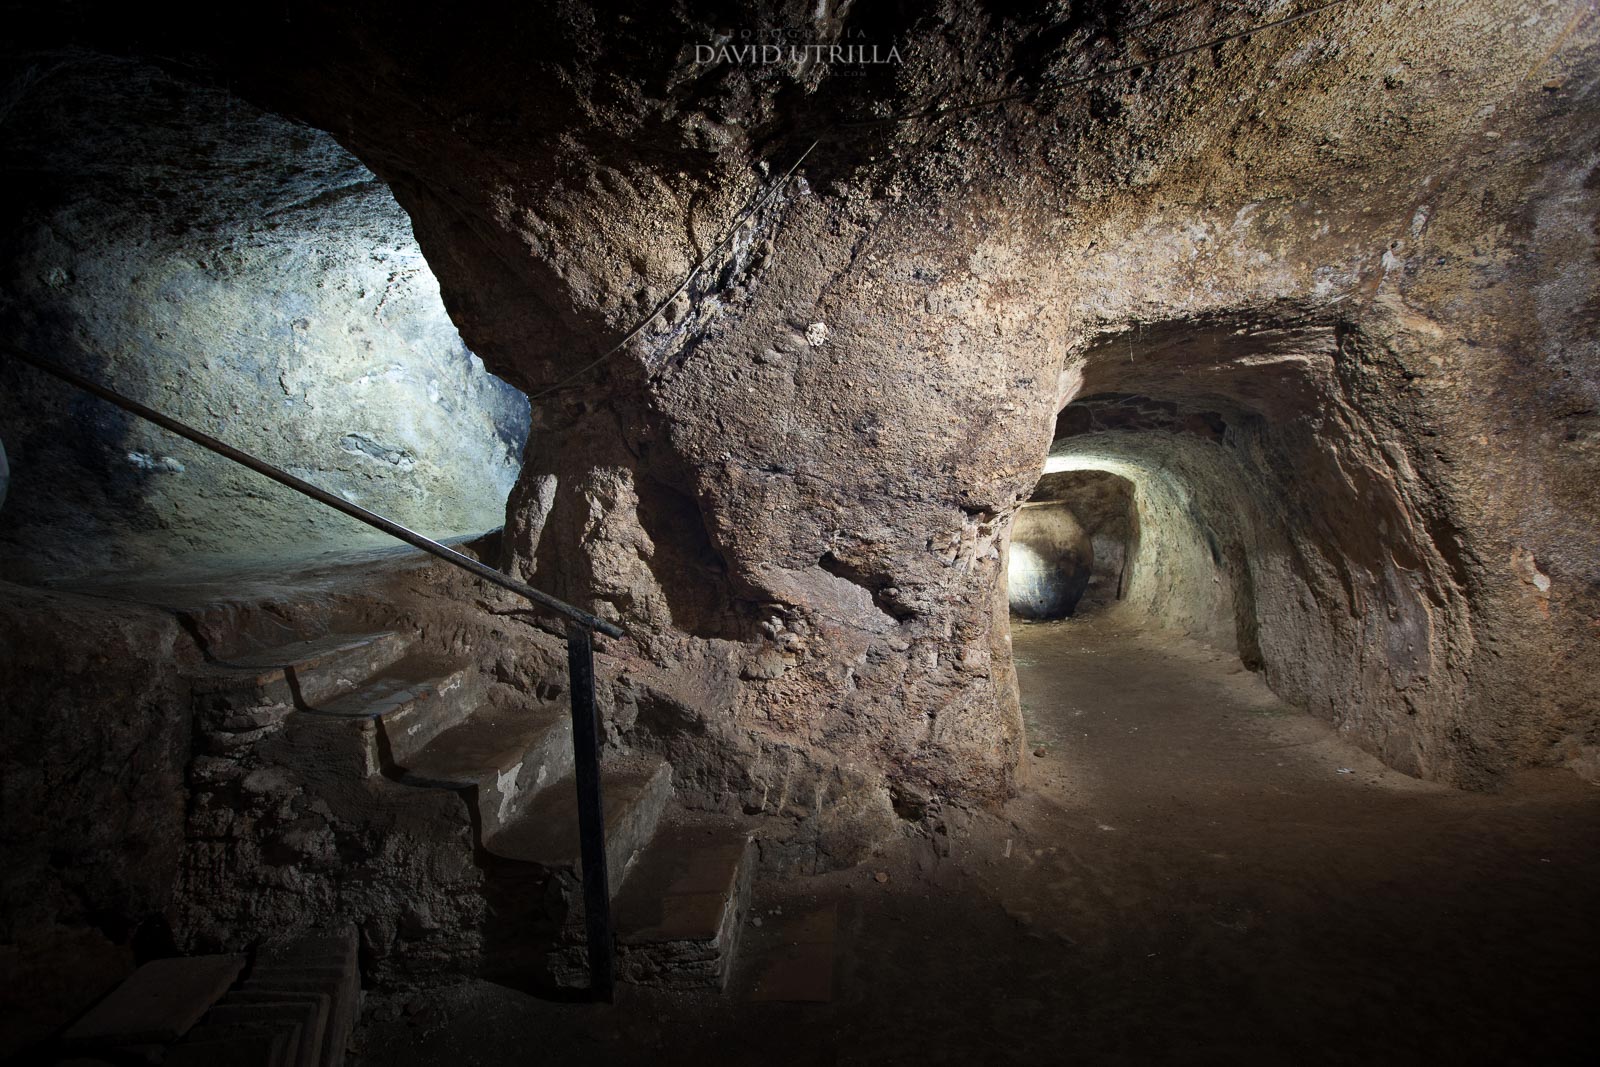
x,y
1195,874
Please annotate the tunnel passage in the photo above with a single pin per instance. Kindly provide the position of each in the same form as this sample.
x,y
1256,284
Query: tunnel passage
x,y
1072,545
1264,517
246,275
1051,561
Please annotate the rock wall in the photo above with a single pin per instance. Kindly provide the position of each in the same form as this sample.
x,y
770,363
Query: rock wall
x,y
1361,241
1276,523
94,740
288,830
246,275
155,802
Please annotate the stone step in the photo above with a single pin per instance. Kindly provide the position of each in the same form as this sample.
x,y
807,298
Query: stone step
x,y
396,713
338,948
297,1007
315,964
159,1002
635,791
506,754
304,672
307,1015
237,1046
679,916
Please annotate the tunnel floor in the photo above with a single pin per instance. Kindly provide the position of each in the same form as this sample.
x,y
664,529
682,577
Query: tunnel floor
x,y
1194,873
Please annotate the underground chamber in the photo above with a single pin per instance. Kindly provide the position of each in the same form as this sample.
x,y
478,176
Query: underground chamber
x,y
1248,355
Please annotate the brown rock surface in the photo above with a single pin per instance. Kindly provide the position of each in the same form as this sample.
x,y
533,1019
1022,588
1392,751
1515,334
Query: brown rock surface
x,y
1348,259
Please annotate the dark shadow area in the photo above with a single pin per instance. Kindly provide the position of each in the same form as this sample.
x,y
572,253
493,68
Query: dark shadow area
x,y
691,573
1197,874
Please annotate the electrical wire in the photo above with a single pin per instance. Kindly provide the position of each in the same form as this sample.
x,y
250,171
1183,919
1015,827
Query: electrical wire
x,y
755,206
934,112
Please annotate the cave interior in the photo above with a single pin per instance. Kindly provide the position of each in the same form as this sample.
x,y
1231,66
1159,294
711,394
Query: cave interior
x,y
1084,517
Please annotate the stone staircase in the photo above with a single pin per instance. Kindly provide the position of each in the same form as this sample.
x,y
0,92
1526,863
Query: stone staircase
x,y
297,1006
294,1005
369,706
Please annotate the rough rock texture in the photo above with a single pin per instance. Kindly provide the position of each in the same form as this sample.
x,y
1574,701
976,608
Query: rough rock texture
x,y
93,742
1310,547
144,816
247,275
1348,259
283,836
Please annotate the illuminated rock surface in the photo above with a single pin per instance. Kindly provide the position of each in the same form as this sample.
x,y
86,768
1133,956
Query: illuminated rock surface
x,y
1050,562
246,275
1323,295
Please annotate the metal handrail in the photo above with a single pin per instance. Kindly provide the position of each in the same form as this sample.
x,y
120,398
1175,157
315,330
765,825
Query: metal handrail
x,y
322,496
580,654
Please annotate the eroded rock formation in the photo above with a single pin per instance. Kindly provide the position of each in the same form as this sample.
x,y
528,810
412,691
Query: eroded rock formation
x,y
1347,260
1103,505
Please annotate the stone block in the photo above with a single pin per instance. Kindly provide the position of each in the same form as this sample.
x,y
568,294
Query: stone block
x,y
159,1002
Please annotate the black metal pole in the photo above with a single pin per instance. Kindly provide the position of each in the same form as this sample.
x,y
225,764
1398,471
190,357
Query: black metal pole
x,y
591,811
361,514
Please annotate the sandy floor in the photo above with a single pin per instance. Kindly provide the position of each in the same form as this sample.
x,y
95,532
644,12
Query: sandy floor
x,y
1195,874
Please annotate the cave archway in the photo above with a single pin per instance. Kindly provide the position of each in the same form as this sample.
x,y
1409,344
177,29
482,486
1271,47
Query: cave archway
x,y
1073,544
1267,521
248,276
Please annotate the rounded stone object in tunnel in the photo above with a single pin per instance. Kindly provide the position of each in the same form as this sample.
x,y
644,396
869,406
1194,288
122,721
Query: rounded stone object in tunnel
x,y
1051,561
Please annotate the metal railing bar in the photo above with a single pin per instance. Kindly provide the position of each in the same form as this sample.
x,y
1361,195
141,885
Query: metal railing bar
x,y
299,485
591,813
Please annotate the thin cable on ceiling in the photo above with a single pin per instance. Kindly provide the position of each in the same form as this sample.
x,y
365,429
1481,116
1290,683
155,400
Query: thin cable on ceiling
x,y
935,112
